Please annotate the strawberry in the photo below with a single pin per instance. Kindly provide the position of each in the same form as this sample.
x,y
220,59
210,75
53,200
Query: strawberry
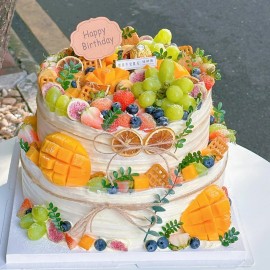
x,y
208,80
91,117
125,98
70,241
223,133
27,204
148,122
102,104
123,120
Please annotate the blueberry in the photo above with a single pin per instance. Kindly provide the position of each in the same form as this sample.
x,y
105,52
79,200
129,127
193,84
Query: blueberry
x,y
199,105
157,113
162,121
149,109
132,109
194,242
65,225
29,210
185,115
212,119
100,244
162,242
135,122
104,112
208,162
151,245
196,71
73,84
116,105
196,76
89,69
112,190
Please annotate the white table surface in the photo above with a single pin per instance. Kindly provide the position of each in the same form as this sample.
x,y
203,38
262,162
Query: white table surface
x,y
248,181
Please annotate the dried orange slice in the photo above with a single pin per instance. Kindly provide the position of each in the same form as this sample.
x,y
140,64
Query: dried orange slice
x,y
162,138
67,60
124,140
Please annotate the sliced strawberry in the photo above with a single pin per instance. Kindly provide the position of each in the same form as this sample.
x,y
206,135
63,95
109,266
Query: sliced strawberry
x,y
25,206
148,122
208,80
124,97
102,104
123,120
71,242
91,117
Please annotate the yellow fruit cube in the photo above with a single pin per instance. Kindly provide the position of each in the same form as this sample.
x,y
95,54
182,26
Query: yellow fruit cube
x,y
141,182
189,172
86,242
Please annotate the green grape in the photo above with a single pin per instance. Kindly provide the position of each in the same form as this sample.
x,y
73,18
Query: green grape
x,y
174,93
26,221
165,103
151,72
166,71
186,101
164,36
200,168
148,43
61,105
36,230
137,89
216,127
51,96
185,84
95,184
174,112
151,84
147,98
173,51
40,213
156,47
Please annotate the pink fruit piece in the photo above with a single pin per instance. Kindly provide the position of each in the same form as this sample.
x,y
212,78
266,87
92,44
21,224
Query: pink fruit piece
x,y
45,88
71,242
137,75
28,134
124,97
102,104
75,108
91,117
148,122
53,233
27,204
117,245
208,80
123,120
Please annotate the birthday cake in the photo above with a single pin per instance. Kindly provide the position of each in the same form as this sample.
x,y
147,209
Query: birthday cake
x,y
126,151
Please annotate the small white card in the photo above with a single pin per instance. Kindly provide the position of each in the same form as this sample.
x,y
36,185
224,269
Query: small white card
x,y
136,63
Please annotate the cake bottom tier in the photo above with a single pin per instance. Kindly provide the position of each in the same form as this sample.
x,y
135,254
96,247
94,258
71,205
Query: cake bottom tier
x,y
115,216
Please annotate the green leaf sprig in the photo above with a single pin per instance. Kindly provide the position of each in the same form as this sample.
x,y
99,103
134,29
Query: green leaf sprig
x,y
219,114
187,130
124,176
110,118
170,228
229,237
161,54
67,74
190,158
127,32
55,216
24,145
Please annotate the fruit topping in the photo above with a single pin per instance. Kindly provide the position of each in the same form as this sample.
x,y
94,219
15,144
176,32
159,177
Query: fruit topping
x,y
132,109
28,134
194,243
112,190
26,221
100,244
102,104
151,245
208,80
208,162
137,76
40,213
61,105
91,117
163,242
135,122
53,233
36,230
162,121
65,226
72,243
86,242
147,98
89,69
212,119
27,204
157,113
95,184
125,98
141,182
117,245
179,240
75,108
123,120
148,122
174,112
124,85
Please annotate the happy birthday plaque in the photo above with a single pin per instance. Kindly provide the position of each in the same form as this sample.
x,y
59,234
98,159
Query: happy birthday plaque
x,y
96,38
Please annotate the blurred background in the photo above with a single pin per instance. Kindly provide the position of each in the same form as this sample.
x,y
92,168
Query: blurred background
x,y
235,33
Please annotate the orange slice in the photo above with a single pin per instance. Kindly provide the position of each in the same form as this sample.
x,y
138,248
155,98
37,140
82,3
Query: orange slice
x,y
66,60
124,140
162,138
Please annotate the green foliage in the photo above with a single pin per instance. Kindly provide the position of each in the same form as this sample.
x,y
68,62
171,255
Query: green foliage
x,y
229,237
170,228
67,74
24,145
54,216
180,137
124,176
127,32
161,54
219,114
110,118
190,158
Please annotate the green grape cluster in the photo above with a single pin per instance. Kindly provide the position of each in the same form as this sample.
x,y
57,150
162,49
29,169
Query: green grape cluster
x,y
161,89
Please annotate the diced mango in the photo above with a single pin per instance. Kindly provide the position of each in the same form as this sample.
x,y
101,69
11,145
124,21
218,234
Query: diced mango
x,y
86,242
206,152
33,154
189,172
141,182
